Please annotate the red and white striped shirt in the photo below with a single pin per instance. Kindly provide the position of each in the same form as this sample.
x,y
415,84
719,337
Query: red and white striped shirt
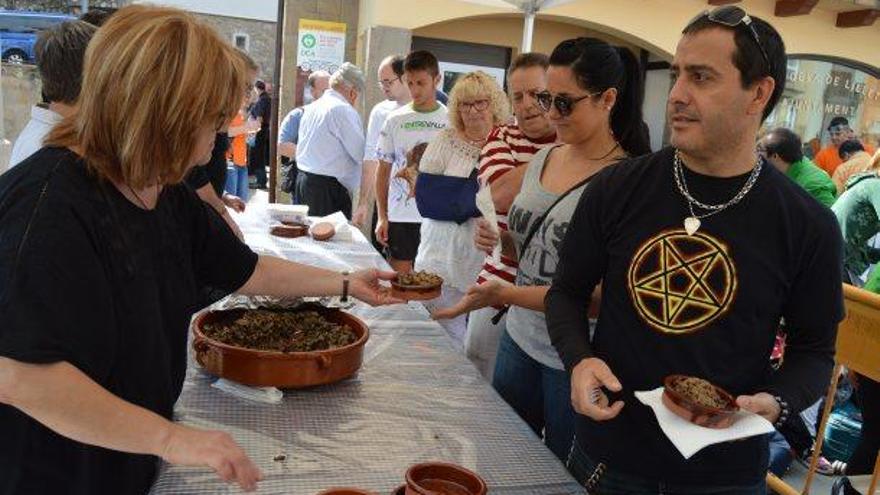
x,y
506,148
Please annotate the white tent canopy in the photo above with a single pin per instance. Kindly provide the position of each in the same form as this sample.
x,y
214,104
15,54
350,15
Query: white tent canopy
x,y
529,8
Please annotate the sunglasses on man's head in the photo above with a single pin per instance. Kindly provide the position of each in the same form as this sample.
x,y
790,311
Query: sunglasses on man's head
x,y
733,17
564,104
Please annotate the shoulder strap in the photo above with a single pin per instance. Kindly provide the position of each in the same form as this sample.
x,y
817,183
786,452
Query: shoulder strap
x,y
540,220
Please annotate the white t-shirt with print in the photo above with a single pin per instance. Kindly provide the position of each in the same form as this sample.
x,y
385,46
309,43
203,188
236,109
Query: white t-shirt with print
x,y
404,129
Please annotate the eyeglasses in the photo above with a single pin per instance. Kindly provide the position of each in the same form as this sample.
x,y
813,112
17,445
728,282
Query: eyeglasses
x,y
478,105
563,104
732,17
386,83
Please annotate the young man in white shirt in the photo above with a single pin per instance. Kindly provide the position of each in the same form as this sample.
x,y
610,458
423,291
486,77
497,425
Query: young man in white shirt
x,y
59,53
405,128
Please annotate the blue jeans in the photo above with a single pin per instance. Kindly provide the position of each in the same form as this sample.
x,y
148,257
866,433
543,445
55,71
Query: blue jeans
x,y
539,394
237,181
610,482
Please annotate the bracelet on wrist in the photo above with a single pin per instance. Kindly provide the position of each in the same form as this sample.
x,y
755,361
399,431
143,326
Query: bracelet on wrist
x,y
784,412
345,283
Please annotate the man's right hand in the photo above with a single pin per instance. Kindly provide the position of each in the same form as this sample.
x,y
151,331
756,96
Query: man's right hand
x,y
485,236
589,375
359,218
188,446
382,232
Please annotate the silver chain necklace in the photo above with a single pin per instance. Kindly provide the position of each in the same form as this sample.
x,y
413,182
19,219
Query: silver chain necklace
x,y
692,223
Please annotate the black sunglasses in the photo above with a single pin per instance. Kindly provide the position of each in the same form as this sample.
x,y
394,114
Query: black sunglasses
x,y
563,104
733,17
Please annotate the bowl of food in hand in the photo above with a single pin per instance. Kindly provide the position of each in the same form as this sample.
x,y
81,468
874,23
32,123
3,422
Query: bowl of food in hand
x,y
416,286
699,401
441,478
287,348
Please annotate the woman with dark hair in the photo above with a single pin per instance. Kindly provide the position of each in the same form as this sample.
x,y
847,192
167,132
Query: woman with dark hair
x,y
594,99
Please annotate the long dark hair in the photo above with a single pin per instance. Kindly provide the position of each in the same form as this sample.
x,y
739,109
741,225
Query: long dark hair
x,y
599,66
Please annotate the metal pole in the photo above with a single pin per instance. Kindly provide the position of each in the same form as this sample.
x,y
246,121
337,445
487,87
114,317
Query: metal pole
x,y
276,101
528,29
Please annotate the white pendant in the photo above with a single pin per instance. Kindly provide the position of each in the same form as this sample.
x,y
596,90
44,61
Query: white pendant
x,y
691,225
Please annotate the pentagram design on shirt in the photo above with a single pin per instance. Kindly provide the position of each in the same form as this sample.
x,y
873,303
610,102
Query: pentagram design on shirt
x,y
680,283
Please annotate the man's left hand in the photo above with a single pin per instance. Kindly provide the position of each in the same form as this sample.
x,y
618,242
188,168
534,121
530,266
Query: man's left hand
x,y
762,404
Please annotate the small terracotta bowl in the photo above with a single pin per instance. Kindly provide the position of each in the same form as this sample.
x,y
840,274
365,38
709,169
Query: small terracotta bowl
x,y
415,292
346,491
698,414
289,230
440,478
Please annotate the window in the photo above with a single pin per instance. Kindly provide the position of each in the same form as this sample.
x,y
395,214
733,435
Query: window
x,y
242,41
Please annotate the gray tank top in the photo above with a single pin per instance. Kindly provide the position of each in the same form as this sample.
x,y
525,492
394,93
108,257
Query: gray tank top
x,y
537,264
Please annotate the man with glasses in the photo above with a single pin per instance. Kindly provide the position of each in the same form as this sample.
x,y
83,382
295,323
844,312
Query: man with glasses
x,y
701,249
396,95
828,158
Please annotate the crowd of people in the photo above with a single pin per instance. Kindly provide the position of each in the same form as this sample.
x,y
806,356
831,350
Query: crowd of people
x,y
605,267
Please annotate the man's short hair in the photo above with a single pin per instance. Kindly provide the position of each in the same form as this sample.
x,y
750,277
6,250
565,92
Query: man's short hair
x,y
748,58
260,85
314,76
528,60
784,143
60,52
422,60
849,147
97,16
838,121
396,63
349,75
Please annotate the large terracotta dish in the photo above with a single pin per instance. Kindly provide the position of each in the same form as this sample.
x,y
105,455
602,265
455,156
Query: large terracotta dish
x,y
280,369
696,413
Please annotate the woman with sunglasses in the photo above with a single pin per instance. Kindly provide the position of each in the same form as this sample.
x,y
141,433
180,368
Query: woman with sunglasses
x,y
594,100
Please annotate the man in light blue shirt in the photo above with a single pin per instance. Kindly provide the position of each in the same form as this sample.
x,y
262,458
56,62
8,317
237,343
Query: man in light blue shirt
x,y
288,131
331,146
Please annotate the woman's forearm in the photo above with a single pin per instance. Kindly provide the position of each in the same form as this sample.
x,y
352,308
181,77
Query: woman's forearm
x,y
281,278
67,401
529,297
532,297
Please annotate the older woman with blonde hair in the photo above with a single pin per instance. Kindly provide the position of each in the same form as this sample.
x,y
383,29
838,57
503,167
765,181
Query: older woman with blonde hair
x,y
105,256
448,169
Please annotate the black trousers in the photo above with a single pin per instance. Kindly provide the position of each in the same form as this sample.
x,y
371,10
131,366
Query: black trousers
x,y
323,194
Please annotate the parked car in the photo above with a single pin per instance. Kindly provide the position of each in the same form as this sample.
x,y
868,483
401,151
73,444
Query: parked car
x,y
18,33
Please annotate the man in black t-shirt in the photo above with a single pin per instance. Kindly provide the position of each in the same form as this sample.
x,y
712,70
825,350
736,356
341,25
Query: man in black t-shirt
x,y
701,249
258,154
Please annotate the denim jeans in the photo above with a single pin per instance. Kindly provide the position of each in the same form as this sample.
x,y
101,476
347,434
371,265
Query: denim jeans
x,y
237,181
539,394
611,482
